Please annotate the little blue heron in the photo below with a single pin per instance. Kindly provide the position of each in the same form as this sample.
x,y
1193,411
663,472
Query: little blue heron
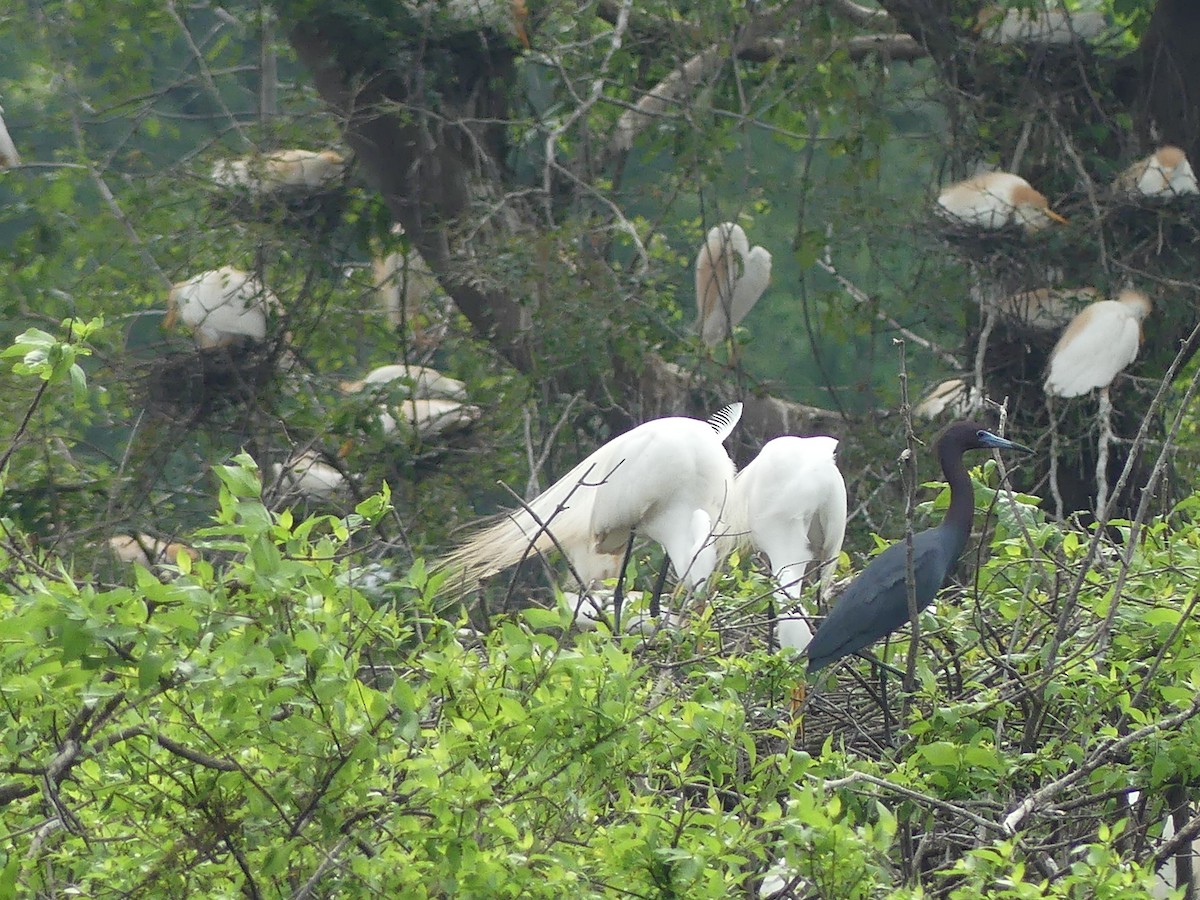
x,y
668,479
876,602
1165,173
995,200
723,298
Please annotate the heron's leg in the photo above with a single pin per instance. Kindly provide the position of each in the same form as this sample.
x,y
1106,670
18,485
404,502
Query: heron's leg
x,y
883,701
659,585
772,623
619,591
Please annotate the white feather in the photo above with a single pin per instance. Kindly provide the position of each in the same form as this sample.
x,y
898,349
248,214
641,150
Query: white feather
x,y
1097,344
222,305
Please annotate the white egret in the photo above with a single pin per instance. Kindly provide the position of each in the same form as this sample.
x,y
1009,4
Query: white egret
x,y
1097,344
1002,25
404,284
428,417
146,551
284,171
307,475
723,297
8,150
221,306
669,479
996,200
417,381
790,502
1165,173
951,396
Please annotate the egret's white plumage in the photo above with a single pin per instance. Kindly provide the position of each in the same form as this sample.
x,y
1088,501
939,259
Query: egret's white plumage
x,y
221,306
1097,344
723,297
403,286
307,475
146,551
953,396
428,417
1164,173
995,200
669,479
790,503
1038,26
420,381
284,170
8,150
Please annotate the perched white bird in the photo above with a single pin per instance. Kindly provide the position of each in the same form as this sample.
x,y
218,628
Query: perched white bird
x,y
221,306
1164,173
404,285
952,395
146,551
995,200
1046,308
282,171
428,417
790,503
1100,342
723,297
1038,26
669,479
419,381
307,475
8,150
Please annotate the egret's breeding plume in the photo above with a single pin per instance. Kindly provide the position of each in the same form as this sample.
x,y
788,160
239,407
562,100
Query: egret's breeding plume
x,y
285,171
668,479
876,602
996,200
409,380
1038,26
221,306
723,297
790,502
1164,174
1097,344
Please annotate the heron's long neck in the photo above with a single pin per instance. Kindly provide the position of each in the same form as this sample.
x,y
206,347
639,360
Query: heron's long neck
x,y
961,514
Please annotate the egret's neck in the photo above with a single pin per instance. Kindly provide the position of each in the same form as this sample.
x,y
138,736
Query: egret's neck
x,y
961,514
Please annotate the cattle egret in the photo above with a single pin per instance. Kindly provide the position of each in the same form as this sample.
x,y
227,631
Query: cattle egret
x,y
285,171
1046,309
416,381
307,475
951,396
1097,344
1038,26
221,306
996,200
1163,174
9,157
403,286
669,479
428,417
876,602
147,551
723,298
790,502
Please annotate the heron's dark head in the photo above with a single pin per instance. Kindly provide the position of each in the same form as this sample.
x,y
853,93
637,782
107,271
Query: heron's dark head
x,y
975,436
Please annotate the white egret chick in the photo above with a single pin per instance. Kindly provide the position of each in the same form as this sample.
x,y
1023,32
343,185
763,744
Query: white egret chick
x,y
307,475
669,479
9,157
1097,344
951,396
790,503
428,417
723,297
146,551
282,171
421,381
221,306
1163,174
996,200
1040,26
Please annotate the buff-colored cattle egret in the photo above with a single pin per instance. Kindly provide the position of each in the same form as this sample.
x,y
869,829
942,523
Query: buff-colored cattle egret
x,y
952,396
1001,25
221,306
146,551
790,503
723,297
419,381
1097,344
1165,173
291,171
428,417
306,474
996,200
1046,309
8,150
669,479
